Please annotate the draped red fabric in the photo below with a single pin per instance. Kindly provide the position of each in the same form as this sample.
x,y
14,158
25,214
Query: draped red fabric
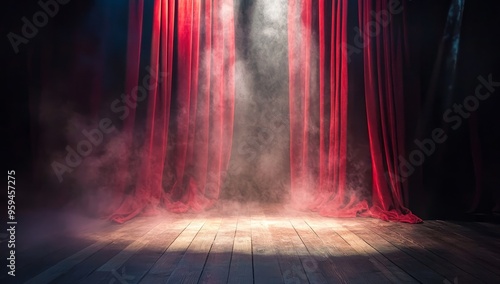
x,y
188,130
135,24
318,178
384,92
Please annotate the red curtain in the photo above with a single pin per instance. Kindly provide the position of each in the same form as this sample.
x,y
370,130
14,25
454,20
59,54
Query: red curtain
x,y
187,99
188,130
385,56
318,178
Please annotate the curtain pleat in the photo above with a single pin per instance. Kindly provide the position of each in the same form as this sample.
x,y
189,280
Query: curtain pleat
x,y
189,124
318,178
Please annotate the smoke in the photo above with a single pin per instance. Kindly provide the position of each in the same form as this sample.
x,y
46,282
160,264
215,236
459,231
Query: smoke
x,y
358,175
91,178
259,168
262,126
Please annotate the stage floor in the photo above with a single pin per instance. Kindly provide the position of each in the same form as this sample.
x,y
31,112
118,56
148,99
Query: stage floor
x,y
263,244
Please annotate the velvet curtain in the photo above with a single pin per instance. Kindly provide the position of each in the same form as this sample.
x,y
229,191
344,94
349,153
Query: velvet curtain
x,y
189,124
385,56
318,178
182,107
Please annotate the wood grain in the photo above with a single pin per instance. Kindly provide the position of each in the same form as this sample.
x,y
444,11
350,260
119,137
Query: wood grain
x,y
268,244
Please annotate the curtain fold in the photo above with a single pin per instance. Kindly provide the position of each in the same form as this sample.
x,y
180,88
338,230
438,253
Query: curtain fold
x,y
318,178
187,98
133,60
384,60
189,124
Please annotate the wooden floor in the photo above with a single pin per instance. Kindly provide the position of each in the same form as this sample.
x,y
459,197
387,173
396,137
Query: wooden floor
x,y
270,244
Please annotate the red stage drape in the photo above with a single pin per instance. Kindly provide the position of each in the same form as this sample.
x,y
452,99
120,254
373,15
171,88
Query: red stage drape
x,y
182,107
384,57
188,130
318,178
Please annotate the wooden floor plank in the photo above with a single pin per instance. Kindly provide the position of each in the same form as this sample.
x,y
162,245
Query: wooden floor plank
x,y
117,247
61,246
241,267
467,233
166,264
143,260
467,250
216,269
289,261
432,242
399,239
55,271
330,269
268,244
393,272
89,265
406,262
265,261
357,268
100,240
118,260
309,262
116,269
471,247
492,229
190,267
